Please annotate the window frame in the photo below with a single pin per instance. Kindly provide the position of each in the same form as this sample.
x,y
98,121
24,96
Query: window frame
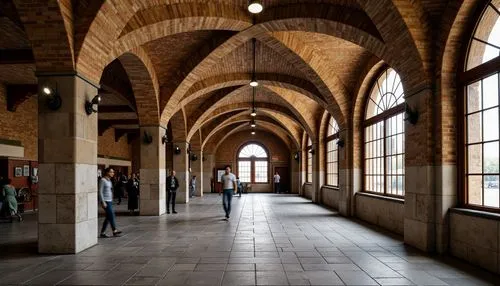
x,y
328,139
382,117
252,161
465,78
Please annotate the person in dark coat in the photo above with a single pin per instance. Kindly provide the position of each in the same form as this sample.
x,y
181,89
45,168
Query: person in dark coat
x,y
172,186
121,186
133,193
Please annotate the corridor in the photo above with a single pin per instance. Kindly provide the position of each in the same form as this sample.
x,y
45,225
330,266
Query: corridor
x,y
269,240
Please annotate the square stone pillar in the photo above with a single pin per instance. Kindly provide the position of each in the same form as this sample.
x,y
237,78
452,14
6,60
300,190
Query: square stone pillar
x,y
196,167
207,173
153,177
315,174
345,175
295,172
67,146
180,165
420,190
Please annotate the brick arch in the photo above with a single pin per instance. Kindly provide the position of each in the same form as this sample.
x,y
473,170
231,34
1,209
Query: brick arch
x,y
51,47
359,111
458,20
329,27
273,112
300,109
144,84
246,106
243,117
103,42
236,79
398,18
178,124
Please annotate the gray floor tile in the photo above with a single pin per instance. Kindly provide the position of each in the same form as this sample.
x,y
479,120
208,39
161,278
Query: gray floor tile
x,y
238,278
394,281
271,278
357,277
240,267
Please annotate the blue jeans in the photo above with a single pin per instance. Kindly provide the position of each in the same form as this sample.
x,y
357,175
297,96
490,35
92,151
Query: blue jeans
x,y
110,217
226,201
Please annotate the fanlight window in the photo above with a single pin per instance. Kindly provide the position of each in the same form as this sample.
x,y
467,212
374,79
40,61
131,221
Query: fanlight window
x,y
253,150
332,153
387,93
384,137
253,164
485,44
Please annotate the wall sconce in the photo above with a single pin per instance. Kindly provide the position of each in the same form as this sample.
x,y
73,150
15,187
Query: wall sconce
x,y
194,157
91,106
177,150
164,139
411,115
296,156
148,138
311,151
54,100
341,143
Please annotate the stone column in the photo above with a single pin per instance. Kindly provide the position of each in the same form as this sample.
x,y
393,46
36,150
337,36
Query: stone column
x,y
315,174
196,167
153,176
207,173
180,165
67,142
420,196
295,172
346,175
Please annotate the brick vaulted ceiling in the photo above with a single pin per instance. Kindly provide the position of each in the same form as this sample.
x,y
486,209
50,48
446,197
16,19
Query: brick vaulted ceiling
x,y
197,56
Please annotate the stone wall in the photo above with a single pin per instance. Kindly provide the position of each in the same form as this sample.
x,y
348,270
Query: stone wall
x,y
307,191
330,197
21,125
382,211
476,238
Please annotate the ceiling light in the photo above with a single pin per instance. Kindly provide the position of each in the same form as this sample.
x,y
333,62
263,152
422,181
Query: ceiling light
x,y
253,125
253,132
254,113
255,7
254,83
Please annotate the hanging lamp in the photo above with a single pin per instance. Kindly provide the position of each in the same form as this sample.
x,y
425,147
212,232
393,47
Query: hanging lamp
x,y
255,7
253,82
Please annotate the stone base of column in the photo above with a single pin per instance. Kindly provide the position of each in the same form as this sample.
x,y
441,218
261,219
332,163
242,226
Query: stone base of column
x,y
152,192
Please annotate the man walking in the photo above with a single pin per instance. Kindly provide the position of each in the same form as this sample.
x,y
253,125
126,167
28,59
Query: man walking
x,y
276,179
192,186
228,186
172,186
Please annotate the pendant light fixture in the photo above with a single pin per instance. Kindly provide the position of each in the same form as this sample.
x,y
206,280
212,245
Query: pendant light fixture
x,y
254,112
254,82
252,123
255,7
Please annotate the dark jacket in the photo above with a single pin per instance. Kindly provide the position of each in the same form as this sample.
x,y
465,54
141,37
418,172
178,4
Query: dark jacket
x,y
169,178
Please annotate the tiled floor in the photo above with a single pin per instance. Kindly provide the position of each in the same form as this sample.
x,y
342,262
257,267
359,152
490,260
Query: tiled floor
x,y
269,240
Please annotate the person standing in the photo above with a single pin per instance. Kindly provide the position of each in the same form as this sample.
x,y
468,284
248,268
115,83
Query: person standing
x,y
106,198
240,187
172,186
10,196
276,180
192,186
133,193
229,185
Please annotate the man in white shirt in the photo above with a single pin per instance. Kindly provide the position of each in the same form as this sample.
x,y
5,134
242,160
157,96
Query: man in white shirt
x,y
229,186
276,180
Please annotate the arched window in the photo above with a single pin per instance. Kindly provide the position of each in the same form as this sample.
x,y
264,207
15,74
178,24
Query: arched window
x,y
332,153
480,106
384,136
309,167
253,164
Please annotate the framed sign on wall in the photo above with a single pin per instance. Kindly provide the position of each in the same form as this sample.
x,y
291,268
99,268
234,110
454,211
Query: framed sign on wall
x,y
220,172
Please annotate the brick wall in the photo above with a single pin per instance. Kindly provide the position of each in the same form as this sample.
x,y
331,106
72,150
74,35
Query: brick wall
x,y
278,151
106,146
21,125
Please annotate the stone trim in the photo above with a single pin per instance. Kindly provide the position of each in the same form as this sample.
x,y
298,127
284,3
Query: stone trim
x,y
330,188
476,213
380,197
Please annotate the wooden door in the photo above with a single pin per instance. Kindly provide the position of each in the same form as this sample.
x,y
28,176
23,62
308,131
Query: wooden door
x,y
285,179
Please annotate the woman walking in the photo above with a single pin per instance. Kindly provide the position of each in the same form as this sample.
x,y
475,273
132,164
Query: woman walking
x,y
106,198
10,198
